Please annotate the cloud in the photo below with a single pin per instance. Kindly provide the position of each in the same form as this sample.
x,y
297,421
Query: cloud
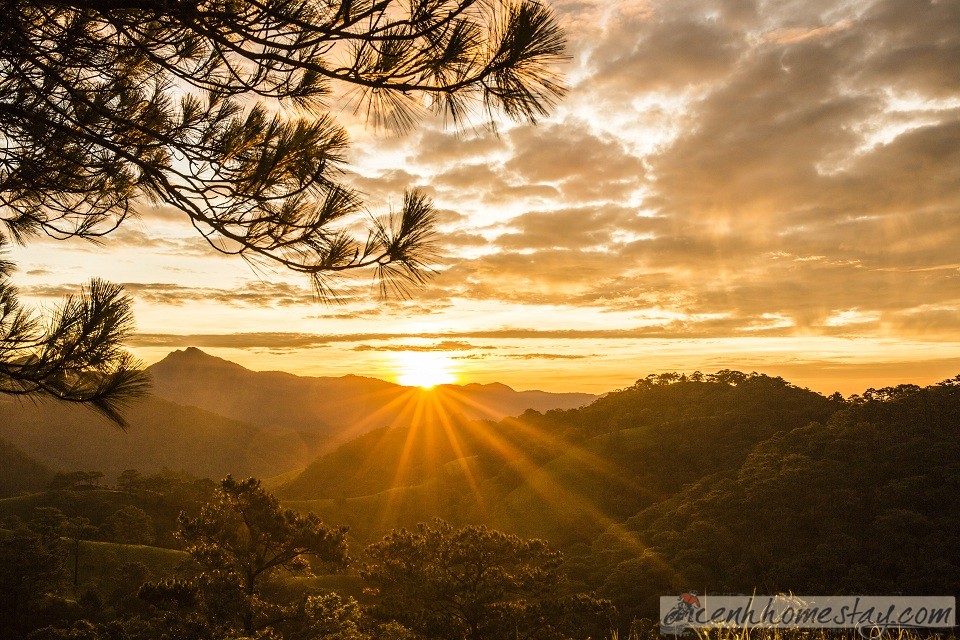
x,y
456,147
561,162
574,228
720,168
931,321
916,46
799,34
385,186
133,235
547,356
281,340
812,171
664,53
165,293
523,356
446,345
581,164
254,340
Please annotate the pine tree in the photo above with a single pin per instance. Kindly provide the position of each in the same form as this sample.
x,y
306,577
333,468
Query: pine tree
x,y
219,109
243,537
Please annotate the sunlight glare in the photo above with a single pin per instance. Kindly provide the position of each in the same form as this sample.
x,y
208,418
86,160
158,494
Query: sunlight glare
x,y
424,369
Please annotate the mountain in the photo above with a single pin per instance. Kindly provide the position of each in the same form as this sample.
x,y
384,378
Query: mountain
x,y
496,400
19,473
210,417
161,434
334,408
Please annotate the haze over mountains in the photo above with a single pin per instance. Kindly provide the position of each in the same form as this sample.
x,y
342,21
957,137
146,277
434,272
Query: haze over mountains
x,y
573,469
327,405
211,417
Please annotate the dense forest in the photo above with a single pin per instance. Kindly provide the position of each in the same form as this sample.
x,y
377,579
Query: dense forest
x,y
568,523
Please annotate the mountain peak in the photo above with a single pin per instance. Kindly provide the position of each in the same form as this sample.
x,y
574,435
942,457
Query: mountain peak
x,y
194,358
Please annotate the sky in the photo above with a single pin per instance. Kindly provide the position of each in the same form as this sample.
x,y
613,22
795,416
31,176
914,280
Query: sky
x,y
762,186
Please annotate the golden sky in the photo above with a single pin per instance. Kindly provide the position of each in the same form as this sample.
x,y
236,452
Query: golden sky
x,y
765,186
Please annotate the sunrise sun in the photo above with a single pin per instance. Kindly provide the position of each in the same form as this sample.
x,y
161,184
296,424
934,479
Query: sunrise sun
x,y
424,369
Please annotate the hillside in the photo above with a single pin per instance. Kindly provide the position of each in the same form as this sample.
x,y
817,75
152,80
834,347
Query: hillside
x,y
731,483
19,473
867,502
335,408
728,482
575,469
161,434
210,417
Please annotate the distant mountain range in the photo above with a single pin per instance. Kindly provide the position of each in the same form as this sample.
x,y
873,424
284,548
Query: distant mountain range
x,y
209,417
161,434
337,409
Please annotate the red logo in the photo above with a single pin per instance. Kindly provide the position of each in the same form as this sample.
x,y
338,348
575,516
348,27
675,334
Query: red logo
x,y
691,599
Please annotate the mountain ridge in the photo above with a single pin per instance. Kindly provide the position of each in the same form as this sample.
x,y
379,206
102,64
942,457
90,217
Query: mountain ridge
x,y
197,357
22,473
338,408
209,417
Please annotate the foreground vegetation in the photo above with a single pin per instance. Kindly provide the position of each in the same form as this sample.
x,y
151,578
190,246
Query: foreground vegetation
x,y
648,632
238,577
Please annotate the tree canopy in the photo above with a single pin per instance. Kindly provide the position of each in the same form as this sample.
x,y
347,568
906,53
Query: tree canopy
x,y
474,583
220,110
243,537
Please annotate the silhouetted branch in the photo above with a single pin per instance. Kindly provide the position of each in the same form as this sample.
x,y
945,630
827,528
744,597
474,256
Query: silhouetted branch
x,y
109,103
76,357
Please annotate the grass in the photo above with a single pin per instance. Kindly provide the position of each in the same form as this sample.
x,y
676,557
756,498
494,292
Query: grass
x,y
95,504
371,516
100,562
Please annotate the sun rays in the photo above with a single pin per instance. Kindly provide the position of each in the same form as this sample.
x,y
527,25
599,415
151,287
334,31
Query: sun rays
x,y
442,449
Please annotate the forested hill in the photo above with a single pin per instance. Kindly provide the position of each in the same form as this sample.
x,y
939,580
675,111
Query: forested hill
x,y
723,483
668,430
68,437
564,473
868,502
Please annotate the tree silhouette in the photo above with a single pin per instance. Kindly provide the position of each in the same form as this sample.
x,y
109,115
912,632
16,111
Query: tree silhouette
x,y
243,537
475,583
76,530
220,110
129,525
75,355
31,566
